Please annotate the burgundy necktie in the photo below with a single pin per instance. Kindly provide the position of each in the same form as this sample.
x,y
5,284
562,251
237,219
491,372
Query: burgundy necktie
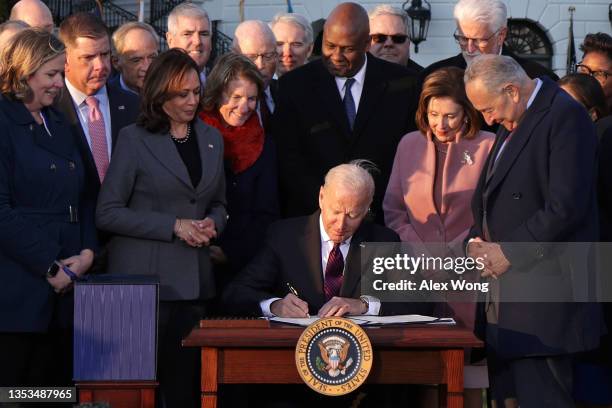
x,y
333,273
97,134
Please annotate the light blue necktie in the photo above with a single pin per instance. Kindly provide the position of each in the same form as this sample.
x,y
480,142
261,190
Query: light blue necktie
x,y
349,102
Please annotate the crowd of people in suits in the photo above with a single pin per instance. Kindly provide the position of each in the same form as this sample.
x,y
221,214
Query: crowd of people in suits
x,y
274,166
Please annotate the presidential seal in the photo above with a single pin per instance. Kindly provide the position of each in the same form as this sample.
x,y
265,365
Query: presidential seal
x,y
333,356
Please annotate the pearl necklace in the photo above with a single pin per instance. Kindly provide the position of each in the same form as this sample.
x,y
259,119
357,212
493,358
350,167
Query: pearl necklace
x,y
184,139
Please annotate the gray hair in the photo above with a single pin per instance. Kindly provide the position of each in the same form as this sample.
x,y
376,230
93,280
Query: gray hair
x,y
124,29
389,10
185,10
247,25
7,25
491,12
353,176
297,20
494,71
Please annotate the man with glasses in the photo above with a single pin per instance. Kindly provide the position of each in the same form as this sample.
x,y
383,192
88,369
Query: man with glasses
x,y
597,61
294,41
482,26
347,105
389,36
255,40
189,29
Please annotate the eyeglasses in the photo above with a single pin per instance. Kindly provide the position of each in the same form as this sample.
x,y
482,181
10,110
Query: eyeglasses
x,y
293,45
479,42
266,56
396,38
599,75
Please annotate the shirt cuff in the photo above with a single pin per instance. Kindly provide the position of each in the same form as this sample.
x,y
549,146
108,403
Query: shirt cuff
x,y
373,305
265,306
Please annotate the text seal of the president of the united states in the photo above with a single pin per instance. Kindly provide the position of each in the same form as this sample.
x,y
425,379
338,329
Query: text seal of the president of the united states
x,y
333,356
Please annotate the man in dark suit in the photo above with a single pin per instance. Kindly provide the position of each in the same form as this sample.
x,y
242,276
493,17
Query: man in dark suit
x,y
136,45
482,27
318,124
538,187
390,36
96,110
255,40
312,264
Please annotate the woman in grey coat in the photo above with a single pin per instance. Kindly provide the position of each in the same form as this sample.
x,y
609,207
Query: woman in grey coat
x,y
163,199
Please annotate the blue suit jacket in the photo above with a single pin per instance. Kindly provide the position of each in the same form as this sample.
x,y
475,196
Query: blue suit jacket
x,y
542,190
40,177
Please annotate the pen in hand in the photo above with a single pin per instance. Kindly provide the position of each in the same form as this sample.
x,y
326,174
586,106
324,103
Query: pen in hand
x,y
295,293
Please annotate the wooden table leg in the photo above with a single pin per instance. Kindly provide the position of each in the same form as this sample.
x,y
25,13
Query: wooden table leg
x,y
453,378
209,378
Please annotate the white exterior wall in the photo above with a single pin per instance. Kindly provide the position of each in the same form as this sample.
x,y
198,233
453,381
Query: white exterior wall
x,y
591,16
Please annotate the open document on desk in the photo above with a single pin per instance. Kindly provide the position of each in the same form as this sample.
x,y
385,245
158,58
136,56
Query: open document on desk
x,y
364,320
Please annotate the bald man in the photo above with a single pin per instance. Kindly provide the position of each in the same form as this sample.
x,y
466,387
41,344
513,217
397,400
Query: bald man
x,y
33,12
8,29
255,40
347,105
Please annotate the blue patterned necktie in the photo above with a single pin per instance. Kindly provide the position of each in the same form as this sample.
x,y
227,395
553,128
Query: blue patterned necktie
x,y
333,273
349,102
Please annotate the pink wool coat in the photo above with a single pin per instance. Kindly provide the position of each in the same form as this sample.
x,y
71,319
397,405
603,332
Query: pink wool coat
x,y
408,204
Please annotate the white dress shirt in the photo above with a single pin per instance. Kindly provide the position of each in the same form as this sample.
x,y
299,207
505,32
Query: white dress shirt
x,y
326,246
357,87
125,87
78,98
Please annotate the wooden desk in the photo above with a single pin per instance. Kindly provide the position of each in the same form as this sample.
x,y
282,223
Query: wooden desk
x,y
232,354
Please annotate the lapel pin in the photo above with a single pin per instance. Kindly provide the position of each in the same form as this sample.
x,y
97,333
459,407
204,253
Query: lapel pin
x,y
467,158
121,107
211,146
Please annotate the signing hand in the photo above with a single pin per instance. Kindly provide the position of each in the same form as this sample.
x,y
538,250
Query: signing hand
x,y
289,306
340,306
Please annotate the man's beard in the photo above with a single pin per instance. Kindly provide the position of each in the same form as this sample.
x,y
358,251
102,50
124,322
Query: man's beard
x,y
468,57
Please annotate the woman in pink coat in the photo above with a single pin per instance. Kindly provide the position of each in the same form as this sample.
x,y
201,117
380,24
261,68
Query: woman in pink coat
x,y
435,171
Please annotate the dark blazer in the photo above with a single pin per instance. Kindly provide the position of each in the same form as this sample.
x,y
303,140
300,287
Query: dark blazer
x,y
292,254
252,205
313,135
40,177
542,190
414,66
124,109
532,68
146,189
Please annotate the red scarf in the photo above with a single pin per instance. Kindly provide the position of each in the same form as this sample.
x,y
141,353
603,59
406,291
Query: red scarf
x,y
242,144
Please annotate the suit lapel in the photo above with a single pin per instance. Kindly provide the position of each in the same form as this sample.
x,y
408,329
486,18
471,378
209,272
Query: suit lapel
x,y
521,135
310,241
352,269
55,142
66,106
116,109
162,147
209,154
328,93
373,89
